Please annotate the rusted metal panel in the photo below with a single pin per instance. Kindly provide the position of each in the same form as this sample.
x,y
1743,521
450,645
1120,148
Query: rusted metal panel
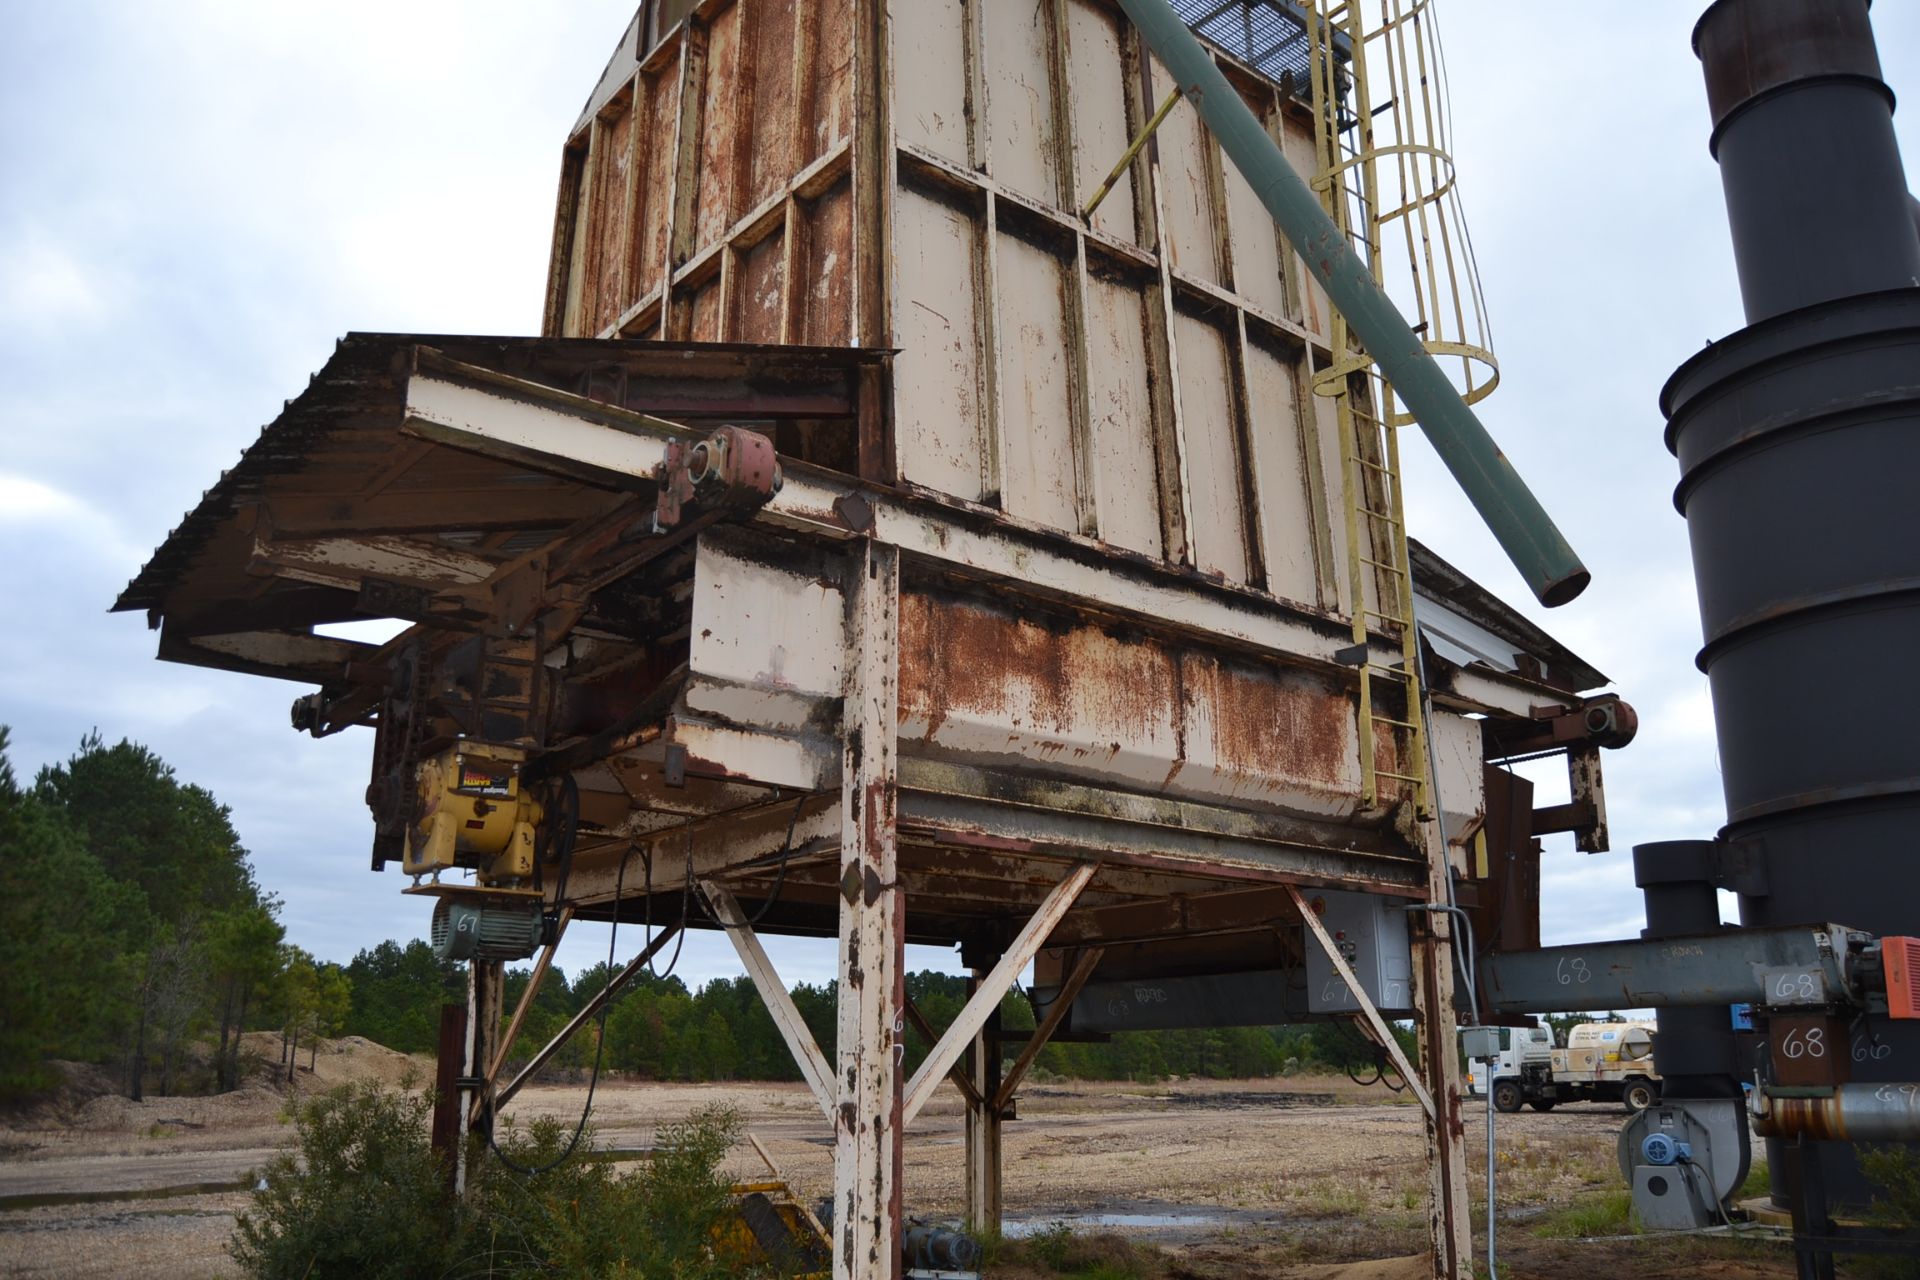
x,y
725,123
1187,187
1098,71
1208,405
1040,357
936,115
1120,399
1039,479
1023,153
938,419
1286,497
609,220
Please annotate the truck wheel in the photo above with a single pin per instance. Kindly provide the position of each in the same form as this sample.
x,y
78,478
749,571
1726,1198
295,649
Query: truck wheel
x,y
1507,1095
1639,1094
1543,1104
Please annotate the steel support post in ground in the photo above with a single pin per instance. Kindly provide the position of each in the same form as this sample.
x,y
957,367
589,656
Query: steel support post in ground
x,y
872,992
449,1058
487,985
484,981
1449,1219
984,1204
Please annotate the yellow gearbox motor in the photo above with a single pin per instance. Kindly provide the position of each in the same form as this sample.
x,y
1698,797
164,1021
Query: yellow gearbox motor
x,y
471,812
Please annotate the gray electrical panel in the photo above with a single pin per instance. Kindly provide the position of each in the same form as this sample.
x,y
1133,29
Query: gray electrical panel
x,y
1371,934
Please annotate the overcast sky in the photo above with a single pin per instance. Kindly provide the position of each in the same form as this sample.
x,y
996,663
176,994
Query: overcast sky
x,y
197,199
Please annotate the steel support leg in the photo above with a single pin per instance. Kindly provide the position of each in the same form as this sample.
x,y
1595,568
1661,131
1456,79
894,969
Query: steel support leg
x,y
984,1201
1449,1218
450,1057
485,979
872,992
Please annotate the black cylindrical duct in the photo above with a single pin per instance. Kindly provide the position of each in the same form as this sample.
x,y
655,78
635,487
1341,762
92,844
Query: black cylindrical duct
x,y
1694,1052
1803,131
1799,446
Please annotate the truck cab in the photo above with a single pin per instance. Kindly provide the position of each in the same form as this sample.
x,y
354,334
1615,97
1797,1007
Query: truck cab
x,y
1602,1062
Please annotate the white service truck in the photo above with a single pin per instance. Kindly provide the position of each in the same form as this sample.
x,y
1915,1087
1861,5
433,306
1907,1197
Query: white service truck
x,y
1602,1062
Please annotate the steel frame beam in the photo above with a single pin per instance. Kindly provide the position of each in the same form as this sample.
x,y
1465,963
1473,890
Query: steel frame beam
x,y
773,993
535,426
973,1016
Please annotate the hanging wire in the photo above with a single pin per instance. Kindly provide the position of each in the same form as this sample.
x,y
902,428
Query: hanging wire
x,y
599,1048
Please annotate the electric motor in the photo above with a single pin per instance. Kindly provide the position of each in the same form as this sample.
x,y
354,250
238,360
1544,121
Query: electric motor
x,y
491,931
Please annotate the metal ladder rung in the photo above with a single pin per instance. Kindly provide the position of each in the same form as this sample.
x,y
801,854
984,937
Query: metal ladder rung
x,y
1385,617
1382,564
1403,777
1400,724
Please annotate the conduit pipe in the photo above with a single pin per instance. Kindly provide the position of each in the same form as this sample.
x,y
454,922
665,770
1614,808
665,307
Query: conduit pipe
x,y
1853,1113
1522,527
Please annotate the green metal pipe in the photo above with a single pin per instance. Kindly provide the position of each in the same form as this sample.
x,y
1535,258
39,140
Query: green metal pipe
x,y
1524,530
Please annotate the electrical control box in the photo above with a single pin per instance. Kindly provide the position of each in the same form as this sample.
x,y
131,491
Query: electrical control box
x,y
1371,934
1485,1042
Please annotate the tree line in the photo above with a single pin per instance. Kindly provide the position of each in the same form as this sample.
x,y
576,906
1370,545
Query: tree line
x,y
659,1028
134,935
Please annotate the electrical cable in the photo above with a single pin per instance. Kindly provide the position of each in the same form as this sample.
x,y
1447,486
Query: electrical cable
x,y
1703,1194
786,853
599,1049
680,941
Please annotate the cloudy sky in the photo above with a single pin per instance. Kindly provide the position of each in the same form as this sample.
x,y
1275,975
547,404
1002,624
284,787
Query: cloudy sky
x,y
198,198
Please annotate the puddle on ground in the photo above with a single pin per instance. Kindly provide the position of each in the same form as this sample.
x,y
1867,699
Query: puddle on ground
x,y
1143,1218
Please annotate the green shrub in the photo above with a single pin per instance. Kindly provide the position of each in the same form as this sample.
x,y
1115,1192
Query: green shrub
x,y
580,1218
363,1195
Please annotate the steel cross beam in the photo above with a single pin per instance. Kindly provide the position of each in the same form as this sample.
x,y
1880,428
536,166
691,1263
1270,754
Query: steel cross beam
x,y
773,993
1371,1015
587,1010
986,998
520,1010
957,1073
1056,1014
1788,965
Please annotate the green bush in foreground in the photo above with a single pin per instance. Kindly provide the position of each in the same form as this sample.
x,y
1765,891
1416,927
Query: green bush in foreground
x,y
364,1195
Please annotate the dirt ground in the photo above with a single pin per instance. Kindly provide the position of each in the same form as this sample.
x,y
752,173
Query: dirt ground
x,y
1309,1178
